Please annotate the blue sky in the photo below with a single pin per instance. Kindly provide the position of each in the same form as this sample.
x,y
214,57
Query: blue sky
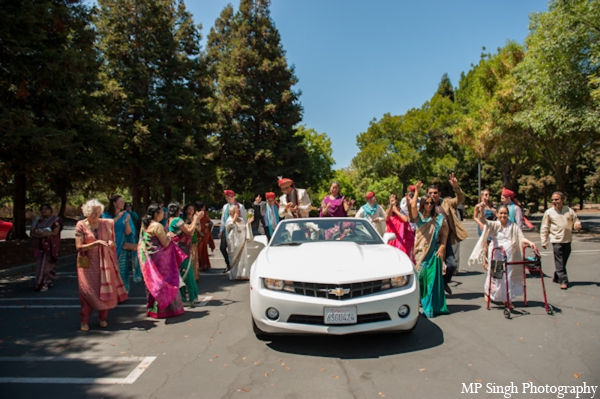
x,y
357,60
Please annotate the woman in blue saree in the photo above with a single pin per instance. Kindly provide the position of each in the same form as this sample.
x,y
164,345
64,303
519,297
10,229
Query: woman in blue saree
x,y
430,248
125,240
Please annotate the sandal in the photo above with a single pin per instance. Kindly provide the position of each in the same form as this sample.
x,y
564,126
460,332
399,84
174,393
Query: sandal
x,y
103,324
84,327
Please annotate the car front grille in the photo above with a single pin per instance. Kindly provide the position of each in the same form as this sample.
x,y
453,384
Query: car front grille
x,y
329,291
319,320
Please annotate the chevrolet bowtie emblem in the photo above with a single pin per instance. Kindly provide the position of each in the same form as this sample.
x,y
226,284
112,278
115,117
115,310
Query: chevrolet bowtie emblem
x,y
338,291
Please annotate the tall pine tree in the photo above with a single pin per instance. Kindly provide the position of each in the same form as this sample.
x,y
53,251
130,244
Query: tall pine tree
x,y
256,107
48,67
156,77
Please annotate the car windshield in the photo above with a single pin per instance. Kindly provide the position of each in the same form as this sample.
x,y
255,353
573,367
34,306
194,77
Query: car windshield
x,y
300,231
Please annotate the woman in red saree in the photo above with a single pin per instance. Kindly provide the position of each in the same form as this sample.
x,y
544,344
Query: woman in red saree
x,y
205,239
100,284
45,231
160,258
396,222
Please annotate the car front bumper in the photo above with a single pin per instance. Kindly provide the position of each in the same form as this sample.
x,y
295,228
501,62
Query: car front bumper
x,y
371,311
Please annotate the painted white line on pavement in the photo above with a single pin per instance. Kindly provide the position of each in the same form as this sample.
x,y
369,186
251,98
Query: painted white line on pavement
x,y
51,299
145,362
578,251
60,306
205,301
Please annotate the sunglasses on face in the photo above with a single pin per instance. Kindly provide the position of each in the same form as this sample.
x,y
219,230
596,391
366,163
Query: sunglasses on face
x,y
429,203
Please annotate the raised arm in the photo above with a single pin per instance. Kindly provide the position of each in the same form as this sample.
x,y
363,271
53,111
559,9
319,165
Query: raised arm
x,y
414,212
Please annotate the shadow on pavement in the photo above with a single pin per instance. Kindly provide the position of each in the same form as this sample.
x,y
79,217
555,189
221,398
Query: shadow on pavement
x,y
462,308
579,283
362,346
467,296
187,316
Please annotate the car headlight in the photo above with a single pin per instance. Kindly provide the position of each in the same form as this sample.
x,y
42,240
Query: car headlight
x,y
278,285
395,282
400,281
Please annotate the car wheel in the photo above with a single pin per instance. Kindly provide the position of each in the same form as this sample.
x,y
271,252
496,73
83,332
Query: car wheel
x,y
9,235
260,334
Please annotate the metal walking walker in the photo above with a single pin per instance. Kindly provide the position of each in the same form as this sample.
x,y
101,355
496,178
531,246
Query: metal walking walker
x,y
499,269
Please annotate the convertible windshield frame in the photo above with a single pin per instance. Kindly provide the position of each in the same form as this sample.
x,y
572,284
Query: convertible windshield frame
x,y
294,232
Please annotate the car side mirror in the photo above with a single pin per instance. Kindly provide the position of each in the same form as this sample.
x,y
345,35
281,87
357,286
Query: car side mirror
x,y
387,237
261,240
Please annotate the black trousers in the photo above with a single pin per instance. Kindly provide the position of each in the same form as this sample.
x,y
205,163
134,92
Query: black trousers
x,y
561,256
223,248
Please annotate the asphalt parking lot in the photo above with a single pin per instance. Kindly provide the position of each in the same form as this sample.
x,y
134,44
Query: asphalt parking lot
x,y
211,351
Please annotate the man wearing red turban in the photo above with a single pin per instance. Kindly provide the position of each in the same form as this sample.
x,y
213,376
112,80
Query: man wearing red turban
x,y
373,212
230,198
295,202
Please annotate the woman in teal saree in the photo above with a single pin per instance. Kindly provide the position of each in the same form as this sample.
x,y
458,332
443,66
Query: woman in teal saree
x,y
187,240
430,248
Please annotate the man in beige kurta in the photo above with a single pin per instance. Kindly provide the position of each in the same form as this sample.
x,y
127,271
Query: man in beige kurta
x,y
557,225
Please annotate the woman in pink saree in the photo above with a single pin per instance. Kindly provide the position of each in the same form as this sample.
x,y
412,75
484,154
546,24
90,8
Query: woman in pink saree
x,y
396,222
45,232
160,258
100,284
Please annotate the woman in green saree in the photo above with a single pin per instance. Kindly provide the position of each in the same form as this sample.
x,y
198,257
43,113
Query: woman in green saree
x,y
187,237
430,248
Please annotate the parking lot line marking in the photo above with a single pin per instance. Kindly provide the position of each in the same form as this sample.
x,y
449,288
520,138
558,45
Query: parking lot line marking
x,y
581,251
51,299
205,301
144,363
61,306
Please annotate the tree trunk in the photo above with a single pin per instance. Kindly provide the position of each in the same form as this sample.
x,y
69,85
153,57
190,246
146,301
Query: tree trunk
x,y
63,203
168,191
19,204
136,192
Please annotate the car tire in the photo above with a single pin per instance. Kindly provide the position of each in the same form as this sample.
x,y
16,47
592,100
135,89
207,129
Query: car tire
x,y
260,334
9,235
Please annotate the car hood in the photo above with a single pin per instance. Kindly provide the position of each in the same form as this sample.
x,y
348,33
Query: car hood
x,y
333,263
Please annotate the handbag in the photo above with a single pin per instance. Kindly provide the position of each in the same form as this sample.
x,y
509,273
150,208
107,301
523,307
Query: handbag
x,y
83,262
497,268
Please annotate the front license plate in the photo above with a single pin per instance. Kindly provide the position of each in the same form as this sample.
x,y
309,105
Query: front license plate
x,y
345,315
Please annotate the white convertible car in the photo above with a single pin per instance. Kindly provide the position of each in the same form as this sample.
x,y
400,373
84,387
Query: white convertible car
x,y
332,276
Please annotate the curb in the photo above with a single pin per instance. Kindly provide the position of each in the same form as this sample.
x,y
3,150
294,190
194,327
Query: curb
x,y
63,261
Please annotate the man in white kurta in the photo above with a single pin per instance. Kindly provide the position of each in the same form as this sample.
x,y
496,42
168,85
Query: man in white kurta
x,y
373,212
239,233
230,198
294,203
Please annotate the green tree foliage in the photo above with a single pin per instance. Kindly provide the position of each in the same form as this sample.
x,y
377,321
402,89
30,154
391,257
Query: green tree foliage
x,y
47,75
414,146
553,84
320,157
487,127
156,82
256,107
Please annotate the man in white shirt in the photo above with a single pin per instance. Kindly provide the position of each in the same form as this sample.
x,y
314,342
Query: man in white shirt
x,y
373,212
294,203
230,198
558,224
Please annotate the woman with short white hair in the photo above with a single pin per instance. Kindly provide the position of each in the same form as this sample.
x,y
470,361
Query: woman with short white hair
x,y
100,284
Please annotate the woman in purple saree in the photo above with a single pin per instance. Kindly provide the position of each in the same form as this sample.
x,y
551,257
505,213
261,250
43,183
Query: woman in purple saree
x,y
160,258
45,231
